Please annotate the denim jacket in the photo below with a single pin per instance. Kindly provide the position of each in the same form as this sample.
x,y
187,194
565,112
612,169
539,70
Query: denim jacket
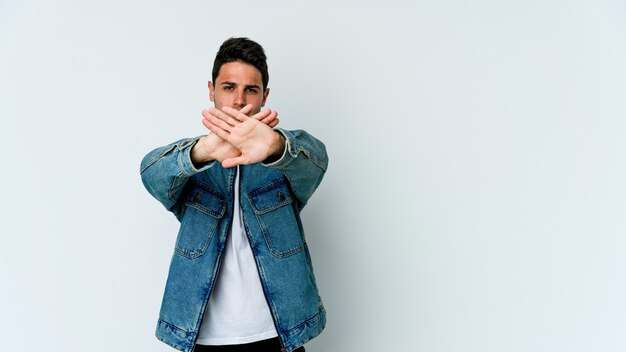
x,y
271,198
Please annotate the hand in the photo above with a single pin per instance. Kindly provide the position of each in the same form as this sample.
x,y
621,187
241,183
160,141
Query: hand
x,y
254,139
212,147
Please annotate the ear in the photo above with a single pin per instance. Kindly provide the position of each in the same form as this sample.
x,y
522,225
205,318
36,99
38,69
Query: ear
x,y
211,92
266,92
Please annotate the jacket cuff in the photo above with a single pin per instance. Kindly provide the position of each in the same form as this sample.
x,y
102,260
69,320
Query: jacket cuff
x,y
184,158
289,153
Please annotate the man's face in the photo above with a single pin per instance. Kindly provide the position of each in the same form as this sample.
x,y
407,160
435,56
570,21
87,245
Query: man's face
x,y
237,85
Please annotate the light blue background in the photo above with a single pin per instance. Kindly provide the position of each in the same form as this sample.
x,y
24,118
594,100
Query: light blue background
x,y
475,199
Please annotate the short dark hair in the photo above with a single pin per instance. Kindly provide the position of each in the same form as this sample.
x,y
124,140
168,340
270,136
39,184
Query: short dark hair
x,y
244,50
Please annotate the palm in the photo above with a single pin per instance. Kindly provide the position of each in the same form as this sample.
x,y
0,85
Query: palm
x,y
254,139
221,149
251,138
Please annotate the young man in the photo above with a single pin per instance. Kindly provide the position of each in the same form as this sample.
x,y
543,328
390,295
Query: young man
x,y
241,277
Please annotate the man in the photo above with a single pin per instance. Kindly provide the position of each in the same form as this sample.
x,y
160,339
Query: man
x,y
241,277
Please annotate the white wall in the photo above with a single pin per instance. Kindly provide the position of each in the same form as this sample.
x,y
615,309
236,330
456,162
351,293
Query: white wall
x,y
475,199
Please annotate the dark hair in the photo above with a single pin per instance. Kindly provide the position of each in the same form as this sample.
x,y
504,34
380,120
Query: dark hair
x,y
244,50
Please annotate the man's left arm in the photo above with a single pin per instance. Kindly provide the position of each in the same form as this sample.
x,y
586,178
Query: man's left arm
x,y
304,162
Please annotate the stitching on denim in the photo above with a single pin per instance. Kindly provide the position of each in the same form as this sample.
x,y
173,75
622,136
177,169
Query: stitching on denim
x,y
265,289
179,162
274,185
156,158
275,252
213,193
205,300
287,253
204,210
293,188
174,327
307,322
313,159
148,164
285,163
307,155
197,252
268,242
264,189
170,191
272,207
170,343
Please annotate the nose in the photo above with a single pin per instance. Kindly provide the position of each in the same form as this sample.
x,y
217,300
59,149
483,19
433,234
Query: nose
x,y
239,100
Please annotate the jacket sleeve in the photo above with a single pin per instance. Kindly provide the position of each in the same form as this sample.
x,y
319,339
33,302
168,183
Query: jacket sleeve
x,y
304,162
165,171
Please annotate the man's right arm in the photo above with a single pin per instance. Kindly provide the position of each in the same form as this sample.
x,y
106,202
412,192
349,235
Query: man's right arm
x,y
165,170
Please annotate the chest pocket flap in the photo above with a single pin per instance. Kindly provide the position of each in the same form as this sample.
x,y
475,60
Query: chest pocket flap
x,y
206,200
270,197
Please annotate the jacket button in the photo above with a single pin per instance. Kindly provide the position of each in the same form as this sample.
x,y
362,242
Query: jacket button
x,y
196,198
280,196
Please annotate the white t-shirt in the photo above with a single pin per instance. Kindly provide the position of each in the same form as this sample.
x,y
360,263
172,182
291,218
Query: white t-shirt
x,y
237,311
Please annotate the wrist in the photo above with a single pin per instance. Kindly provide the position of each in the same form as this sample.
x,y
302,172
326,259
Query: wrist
x,y
277,147
199,153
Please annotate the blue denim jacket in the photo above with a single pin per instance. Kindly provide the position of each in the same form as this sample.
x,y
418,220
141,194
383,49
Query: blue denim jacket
x,y
271,198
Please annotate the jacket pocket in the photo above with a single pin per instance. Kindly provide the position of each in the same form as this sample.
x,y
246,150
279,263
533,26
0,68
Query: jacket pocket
x,y
273,205
203,209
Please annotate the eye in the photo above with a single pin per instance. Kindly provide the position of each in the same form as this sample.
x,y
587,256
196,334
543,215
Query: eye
x,y
228,88
252,90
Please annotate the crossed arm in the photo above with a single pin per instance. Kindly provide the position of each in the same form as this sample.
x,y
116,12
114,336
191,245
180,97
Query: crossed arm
x,y
237,138
242,139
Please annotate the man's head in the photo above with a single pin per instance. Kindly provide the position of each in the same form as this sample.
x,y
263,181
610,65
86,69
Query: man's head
x,y
240,75
242,50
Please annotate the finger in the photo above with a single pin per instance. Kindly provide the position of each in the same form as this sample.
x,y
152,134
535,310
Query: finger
x,y
230,162
219,123
215,129
261,114
246,109
235,113
274,123
267,120
225,118
206,124
270,121
208,113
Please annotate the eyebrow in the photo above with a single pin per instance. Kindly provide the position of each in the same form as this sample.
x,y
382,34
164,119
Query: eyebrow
x,y
228,83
